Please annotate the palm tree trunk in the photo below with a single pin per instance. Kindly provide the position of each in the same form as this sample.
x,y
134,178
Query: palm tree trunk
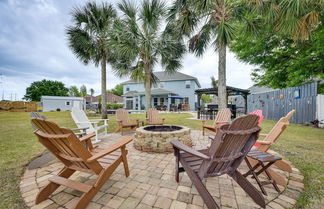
x,y
103,88
147,86
222,94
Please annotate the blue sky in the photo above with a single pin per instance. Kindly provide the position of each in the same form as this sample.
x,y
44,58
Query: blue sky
x,y
33,46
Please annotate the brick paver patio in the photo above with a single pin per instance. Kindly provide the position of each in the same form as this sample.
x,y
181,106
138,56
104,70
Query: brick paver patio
x,y
151,184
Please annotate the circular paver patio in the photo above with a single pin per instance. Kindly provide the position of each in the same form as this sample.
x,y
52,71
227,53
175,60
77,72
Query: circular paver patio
x,y
151,184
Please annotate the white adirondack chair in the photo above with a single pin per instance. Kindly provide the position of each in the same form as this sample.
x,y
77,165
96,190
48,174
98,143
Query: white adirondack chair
x,y
82,121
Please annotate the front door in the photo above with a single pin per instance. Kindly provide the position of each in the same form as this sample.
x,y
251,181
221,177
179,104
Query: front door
x,y
129,104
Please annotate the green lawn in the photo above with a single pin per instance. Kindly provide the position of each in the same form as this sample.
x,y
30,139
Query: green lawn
x,y
303,146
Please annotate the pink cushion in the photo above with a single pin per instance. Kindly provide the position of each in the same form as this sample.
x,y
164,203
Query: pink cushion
x,y
258,113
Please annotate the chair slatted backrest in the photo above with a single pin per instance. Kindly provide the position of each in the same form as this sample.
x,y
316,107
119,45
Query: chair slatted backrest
x,y
153,116
81,119
123,115
223,115
258,113
65,145
36,115
230,146
277,130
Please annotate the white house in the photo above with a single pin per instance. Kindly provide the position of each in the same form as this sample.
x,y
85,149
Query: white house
x,y
60,103
171,90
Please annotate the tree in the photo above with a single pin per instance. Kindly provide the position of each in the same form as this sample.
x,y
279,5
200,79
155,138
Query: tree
x,y
83,90
289,51
45,88
117,90
281,61
217,22
142,39
92,91
213,82
88,39
74,91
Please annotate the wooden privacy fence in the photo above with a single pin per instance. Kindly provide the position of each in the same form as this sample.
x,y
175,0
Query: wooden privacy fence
x,y
276,104
18,106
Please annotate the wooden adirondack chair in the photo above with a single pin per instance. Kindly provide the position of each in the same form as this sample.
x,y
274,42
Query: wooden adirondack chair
x,y
75,157
229,148
260,114
153,117
82,121
124,121
222,117
265,145
80,132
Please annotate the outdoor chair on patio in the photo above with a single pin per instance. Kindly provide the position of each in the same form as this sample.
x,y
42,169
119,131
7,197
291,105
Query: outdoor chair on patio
x,y
227,151
265,145
82,121
153,117
80,132
222,117
100,161
124,121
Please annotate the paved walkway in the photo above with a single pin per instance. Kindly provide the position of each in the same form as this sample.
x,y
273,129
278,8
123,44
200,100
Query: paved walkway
x,y
151,185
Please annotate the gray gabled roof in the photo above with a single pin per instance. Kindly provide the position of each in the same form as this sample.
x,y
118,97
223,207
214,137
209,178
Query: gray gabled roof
x,y
157,91
163,76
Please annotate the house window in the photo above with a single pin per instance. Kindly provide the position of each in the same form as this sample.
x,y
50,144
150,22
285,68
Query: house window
x,y
161,85
155,101
127,88
161,101
186,100
187,84
67,103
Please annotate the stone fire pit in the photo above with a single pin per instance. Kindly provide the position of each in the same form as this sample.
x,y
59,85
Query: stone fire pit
x,y
157,138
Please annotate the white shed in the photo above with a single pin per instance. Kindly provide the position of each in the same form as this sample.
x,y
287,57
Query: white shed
x,y
60,103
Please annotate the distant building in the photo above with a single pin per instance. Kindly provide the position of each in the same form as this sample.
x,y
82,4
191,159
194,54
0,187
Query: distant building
x,y
93,101
60,103
171,89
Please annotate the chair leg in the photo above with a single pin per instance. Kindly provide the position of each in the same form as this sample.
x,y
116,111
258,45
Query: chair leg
x,y
203,131
101,180
176,174
202,190
124,157
249,188
51,187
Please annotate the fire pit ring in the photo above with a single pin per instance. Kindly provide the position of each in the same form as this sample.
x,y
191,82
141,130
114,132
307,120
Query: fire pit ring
x,y
157,138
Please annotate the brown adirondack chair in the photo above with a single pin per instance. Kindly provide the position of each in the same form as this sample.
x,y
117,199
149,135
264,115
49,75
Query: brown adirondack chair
x,y
229,148
64,144
124,121
222,117
80,132
270,139
153,117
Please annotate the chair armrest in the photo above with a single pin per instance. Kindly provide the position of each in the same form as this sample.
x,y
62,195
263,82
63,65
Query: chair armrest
x,y
221,122
80,129
121,143
98,120
178,145
263,142
87,137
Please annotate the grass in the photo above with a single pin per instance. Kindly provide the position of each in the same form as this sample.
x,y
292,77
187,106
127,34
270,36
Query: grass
x,y
303,146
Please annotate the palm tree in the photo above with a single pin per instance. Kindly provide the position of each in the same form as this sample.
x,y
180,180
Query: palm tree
x,y
295,18
92,91
88,39
216,21
141,39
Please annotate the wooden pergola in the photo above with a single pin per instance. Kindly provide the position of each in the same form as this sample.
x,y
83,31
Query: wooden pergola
x,y
231,91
